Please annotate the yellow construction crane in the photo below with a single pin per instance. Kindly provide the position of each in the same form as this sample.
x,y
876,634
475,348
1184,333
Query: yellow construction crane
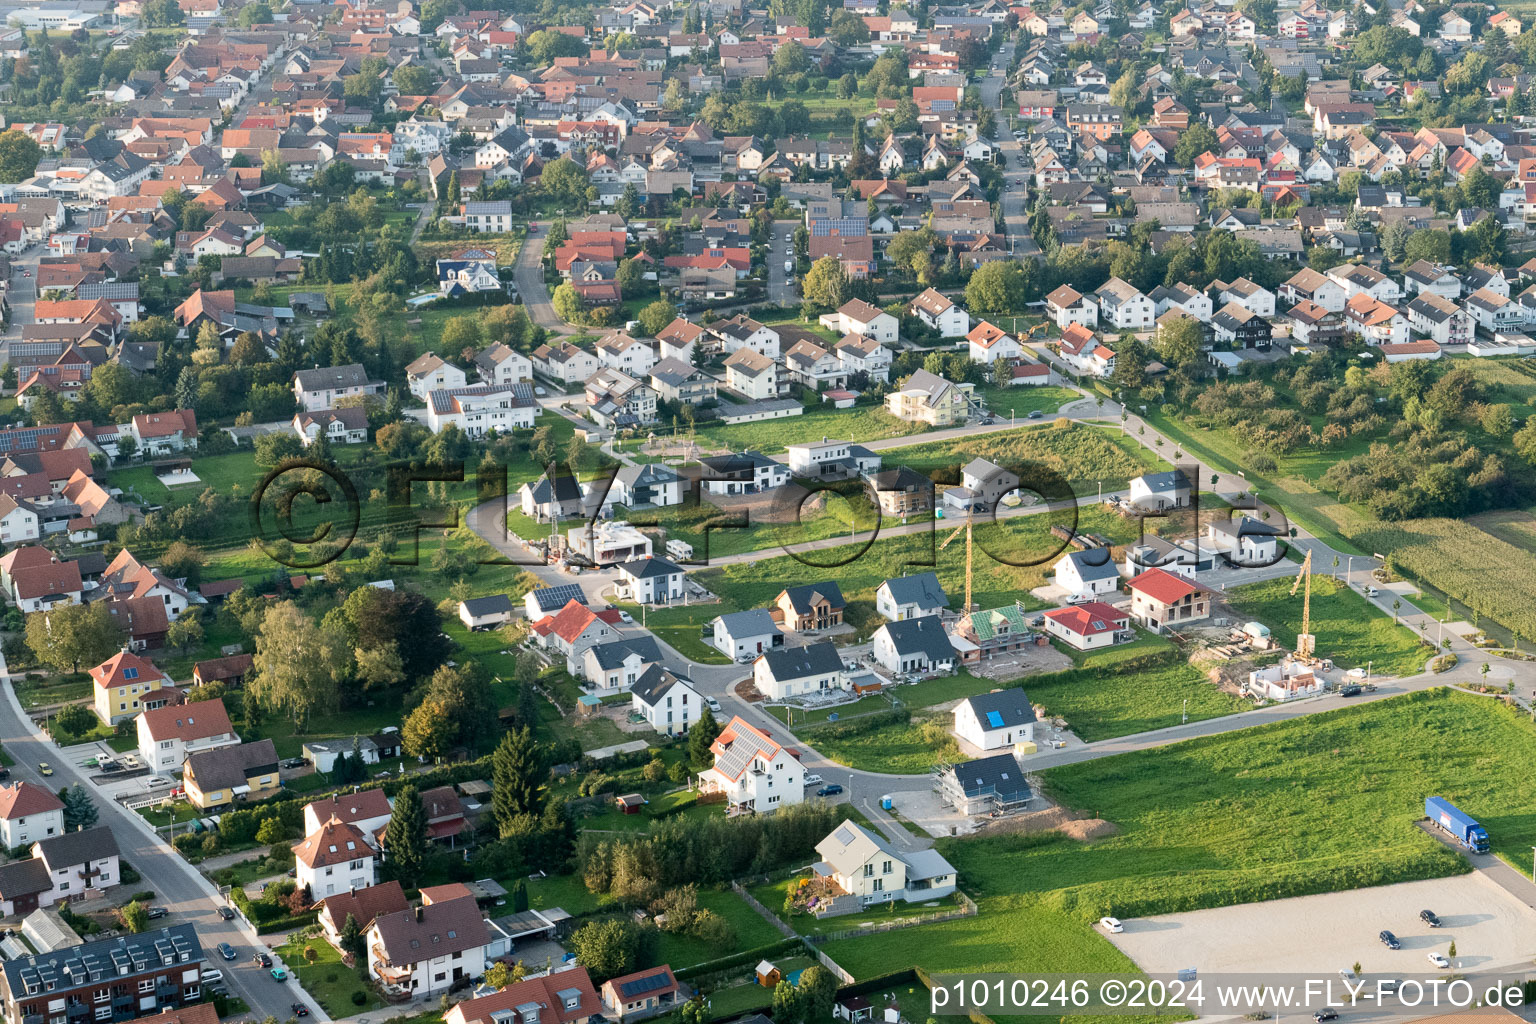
x,y
968,553
1306,643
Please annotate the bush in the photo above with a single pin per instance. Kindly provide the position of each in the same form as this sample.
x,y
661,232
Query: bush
x,y
143,896
359,997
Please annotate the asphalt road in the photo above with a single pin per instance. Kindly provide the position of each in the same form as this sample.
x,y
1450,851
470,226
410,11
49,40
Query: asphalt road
x,y
1015,197
191,898
529,275
782,289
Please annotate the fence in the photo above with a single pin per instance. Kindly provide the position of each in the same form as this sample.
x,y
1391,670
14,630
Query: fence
x,y
967,909
826,961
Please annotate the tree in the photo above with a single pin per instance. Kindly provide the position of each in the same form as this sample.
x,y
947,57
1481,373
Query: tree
x,y
248,349
655,317
567,302
297,664
546,44
255,14
413,80
161,14
135,916
405,839
428,731
1197,138
701,737
19,155
1178,343
1434,246
70,635
517,778
610,947
995,288
826,284
352,942
788,1006
818,988
790,58
74,719
271,831
79,809
185,633
565,180
183,561
462,332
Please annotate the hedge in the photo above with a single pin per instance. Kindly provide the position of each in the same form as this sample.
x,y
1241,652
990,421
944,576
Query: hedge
x,y
286,922
710,968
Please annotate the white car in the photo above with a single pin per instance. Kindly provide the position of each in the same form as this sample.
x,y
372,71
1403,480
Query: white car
x,y
1439,960
813,780
711,703
1111,925
626,617
213,975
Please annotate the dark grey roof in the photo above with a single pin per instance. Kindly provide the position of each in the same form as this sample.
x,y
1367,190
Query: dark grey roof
x,y
552,599
799,662
228,767
23,878
923,590
752,622
998,775
1012,707
73,848
1096,564
648,568
800,597
565,489
923,635
737,464
612,655
350,376
647,474
489,605
654,683
86,965
1169,480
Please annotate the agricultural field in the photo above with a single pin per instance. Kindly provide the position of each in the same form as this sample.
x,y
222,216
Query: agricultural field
x,y
1348,628
1487,563
1317,804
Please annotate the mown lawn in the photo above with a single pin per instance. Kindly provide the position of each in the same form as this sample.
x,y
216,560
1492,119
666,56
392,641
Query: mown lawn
x,y
332,983
752,932
1021,401
1348,628
771,895
861,423
568,892
1318,804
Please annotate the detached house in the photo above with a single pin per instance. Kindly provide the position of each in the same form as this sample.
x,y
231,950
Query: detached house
x,y
753,770
916,646
809,606
126,684
335,858
1000,720
911,597
1162,600
321,388
987,343
1124,307
666,700
791,671
1067,306
939,314
167,735
867,870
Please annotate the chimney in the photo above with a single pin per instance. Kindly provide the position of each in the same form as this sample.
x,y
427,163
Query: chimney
x,y
419,914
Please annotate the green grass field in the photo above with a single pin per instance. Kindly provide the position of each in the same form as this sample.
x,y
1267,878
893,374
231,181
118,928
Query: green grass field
x,y
752,932
771,895
1318,804
331,982
861,423
1348,629
1099,704
1082,456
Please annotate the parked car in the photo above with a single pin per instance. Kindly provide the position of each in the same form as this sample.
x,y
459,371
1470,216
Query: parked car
x,y
1389,940
1327,1013
1439,960
262,959
1352,690
1111,925
293,762
832,790
227,913
1429,918
1036,414
278,974
626,617
211,976
1372,592
712,704
5,773
813,780
300,1010
155,913
226,951
45,767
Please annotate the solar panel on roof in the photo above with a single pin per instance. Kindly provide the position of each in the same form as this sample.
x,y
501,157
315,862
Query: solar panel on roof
x,y
649,983
995,719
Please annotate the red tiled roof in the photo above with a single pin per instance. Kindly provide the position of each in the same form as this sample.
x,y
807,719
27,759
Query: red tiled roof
x,y
186,722
1164,586
23,799
1088,619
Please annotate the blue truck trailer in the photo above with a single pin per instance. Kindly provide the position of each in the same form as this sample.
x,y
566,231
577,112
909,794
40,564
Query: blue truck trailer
x,y
1461,827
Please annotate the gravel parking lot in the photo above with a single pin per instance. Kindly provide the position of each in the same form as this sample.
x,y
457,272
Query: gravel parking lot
x,y
1321,934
